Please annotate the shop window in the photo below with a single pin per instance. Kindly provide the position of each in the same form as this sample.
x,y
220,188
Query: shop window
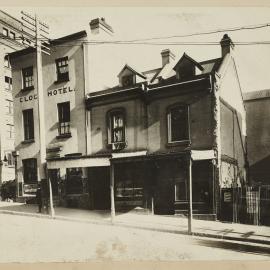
x,y
74,184
181,191
28,79
28,124
5,32
63,118
62,69
6,61
116,129
12,35
10,131
178,126
30,170
8,83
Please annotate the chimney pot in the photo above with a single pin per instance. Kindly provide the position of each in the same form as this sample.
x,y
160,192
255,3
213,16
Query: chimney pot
x,y
226,45
167,56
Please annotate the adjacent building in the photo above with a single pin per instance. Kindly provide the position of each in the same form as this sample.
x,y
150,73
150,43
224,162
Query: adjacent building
x,y
65,85
258,144
11,39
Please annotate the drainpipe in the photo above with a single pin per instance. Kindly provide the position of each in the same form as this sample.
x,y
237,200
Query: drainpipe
x,y
216,136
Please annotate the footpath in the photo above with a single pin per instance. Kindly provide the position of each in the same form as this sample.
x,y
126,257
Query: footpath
x,y
172,224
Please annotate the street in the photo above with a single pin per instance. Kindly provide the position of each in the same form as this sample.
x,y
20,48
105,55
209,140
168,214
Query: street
x,y
31,239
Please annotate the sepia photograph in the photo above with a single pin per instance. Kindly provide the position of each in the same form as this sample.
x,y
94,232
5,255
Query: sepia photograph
x,y
134,134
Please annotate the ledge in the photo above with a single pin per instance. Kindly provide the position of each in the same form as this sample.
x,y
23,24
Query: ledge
x,y
27,88
63,136
28,141
61,81
179,143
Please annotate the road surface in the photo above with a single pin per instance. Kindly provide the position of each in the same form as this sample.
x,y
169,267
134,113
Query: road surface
x,y
32,239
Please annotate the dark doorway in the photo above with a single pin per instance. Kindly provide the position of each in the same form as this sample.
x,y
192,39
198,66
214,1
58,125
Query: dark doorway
x,y
99,178
54,176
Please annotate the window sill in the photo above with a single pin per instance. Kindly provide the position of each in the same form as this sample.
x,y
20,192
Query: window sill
x,y
28,141
179,143
62,136
61,81
27,88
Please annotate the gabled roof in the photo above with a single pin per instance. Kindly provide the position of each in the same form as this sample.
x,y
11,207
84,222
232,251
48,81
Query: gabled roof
x,y
53,42
185,56
132,70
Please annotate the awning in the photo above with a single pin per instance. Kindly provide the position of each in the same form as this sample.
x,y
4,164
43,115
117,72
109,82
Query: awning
x,y
202,154
129,154
80,162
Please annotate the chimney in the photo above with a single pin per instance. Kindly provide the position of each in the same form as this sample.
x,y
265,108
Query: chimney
x,y
226,45
99,25
167,57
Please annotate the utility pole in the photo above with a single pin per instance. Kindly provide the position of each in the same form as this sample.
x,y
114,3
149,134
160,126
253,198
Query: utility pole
x,y
190,210
39,31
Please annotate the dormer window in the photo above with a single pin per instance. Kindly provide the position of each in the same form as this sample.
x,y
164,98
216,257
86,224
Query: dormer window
x,y
129,76
186,68
128,80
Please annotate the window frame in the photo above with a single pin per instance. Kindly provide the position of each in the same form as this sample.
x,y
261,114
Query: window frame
x,y
169,124
110,130
10,131
63,124
32,171
6,62
28,125
62,77
12,35
8,83
27,78
10,106
6,30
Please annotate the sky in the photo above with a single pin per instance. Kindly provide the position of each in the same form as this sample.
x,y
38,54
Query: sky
x,y
140,23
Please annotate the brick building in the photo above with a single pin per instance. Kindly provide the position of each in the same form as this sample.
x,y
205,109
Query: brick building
x,y
161,127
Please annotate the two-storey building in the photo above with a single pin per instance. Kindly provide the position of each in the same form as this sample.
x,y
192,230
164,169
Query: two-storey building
x,y
163,127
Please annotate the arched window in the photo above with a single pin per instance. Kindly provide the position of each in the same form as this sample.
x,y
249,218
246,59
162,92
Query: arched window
x,y
116,126
178,125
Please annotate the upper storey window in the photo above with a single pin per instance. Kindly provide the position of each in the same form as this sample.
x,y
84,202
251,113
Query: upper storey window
x,y
28,79
178,126
62,69
5,32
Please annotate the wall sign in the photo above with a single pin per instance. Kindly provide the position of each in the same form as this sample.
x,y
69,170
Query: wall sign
x,y
59,91
28,98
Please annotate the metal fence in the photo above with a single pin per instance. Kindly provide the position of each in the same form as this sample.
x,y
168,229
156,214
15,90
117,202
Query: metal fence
x,y
248,205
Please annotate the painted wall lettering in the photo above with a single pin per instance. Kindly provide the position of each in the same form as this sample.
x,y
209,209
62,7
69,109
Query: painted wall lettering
x,y
60,91
28,98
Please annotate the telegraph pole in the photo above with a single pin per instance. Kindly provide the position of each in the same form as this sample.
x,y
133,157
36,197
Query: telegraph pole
x,y
40,30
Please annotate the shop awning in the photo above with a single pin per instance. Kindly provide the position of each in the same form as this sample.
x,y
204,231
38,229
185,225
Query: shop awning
x,y
80,162
129,154
202,154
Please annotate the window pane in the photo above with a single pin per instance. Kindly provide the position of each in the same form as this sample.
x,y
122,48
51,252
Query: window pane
x,y
64,117
28,120
181,191
179,123
117,127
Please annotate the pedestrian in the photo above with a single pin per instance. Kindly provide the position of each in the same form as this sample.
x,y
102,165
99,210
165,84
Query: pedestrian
x,y
39,198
